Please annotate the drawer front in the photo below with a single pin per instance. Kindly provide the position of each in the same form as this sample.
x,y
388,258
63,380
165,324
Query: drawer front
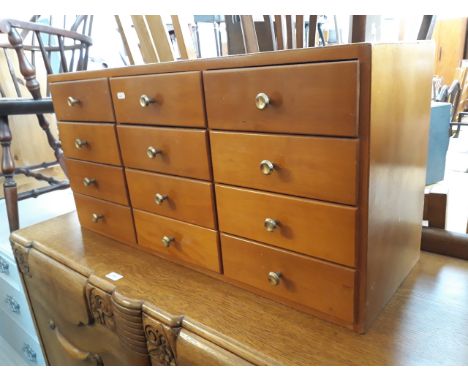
x,y
325,287
90,142
87,100
173,99
106,218
317,229
319,168
9,271
183,199
307,99
98,180
190,243
170,151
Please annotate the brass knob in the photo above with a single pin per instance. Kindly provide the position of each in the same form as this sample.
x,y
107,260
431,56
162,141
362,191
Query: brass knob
x,y
72,101
97,217
167,240
88,182
146,101
158,198
266,167
151,152
261,101
51,324
79,144
274,278
270,224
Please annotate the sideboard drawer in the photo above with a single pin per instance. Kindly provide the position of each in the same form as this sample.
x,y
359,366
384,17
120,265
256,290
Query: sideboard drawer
x,y
314,167
87,100
183,199
90,142
173,99
319,98
325,287
317,229
178,240
170,151
106,218
98,180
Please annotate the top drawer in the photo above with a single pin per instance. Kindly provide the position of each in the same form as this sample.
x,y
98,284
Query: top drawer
x,y
304,99
87,100
173,99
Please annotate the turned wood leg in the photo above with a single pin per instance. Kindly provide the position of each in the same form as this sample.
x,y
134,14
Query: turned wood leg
x,y
8,170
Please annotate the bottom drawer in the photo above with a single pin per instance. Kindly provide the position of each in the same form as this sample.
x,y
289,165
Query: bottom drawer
x,y
178,240
322,286
106,218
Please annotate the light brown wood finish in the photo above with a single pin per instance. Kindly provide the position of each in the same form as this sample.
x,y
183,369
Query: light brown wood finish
x,y
191,243
160,37
302,98
101,142
125,43
326,287
299,31
249,34
184,151
191,201
183,37
107,182
314,167
317,229
178,99
146,44
93,96
116,221
280,32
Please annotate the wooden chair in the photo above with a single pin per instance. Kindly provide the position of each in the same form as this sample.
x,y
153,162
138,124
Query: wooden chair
x,y
71,49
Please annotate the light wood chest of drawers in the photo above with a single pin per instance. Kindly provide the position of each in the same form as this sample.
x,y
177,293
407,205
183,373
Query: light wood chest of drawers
x,y
295,174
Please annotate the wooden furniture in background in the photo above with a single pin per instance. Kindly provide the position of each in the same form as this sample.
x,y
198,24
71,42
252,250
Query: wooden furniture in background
x,y
169,121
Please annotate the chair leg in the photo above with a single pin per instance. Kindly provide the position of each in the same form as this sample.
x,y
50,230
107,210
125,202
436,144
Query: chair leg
x,y
8,170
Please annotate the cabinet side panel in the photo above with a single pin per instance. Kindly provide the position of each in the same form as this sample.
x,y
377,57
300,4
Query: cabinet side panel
x,y
400,111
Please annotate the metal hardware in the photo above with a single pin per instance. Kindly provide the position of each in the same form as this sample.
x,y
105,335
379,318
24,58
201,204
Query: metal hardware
x,y
274,278
262,101
167,240
4,267
270,224
52,324
13,304
146,101
72,101
151,152
159,199
79,144
266,167
89,181
29,353
97,217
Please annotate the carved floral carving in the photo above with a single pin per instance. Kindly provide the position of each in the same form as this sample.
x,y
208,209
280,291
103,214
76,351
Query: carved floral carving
x,y
161,343
100,306
21,255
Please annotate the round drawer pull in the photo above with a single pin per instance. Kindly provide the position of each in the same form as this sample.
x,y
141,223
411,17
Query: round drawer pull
x,y
72,101
261,101
151,152
80,143
159,199
274,278
270,224
97,217
167,240
89,181
52,324
266,167
145,101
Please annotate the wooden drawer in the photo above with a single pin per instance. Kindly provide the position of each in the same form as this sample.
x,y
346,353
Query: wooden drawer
x,y
176,99
320,168
113,220
183,199
98,180
325,287
317,229
307,99
92,100
90,142
190,243
180,151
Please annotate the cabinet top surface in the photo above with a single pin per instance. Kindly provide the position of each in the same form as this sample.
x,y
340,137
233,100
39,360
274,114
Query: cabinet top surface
x,y
425,310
